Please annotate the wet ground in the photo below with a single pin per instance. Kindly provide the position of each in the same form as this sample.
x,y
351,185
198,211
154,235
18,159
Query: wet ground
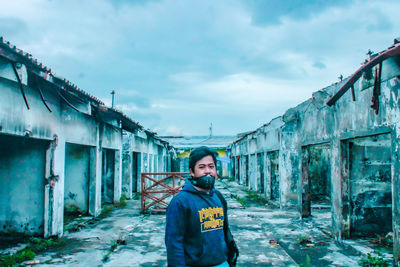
x,y
265,236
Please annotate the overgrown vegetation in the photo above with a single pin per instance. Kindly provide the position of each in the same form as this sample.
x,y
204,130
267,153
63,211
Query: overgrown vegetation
x,y
106,210
72,209
385,241
230,179
35,246
113,246
74,223
256,197
304,239
307,262
136,196
242,201
122,202
375,260
251,197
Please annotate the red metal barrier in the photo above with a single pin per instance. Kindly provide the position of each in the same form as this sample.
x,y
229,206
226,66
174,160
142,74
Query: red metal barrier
x,y
172,182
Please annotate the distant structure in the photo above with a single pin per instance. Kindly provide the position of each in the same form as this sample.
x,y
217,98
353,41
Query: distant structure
x,y
185,144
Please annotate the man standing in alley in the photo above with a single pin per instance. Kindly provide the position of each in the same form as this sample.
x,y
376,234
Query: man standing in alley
x,y
197,230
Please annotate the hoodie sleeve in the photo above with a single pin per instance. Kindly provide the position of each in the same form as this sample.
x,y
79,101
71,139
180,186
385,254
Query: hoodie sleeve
x,y
174,233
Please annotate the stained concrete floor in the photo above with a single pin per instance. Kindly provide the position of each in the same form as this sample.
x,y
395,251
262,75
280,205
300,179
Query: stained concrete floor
x,y
265,236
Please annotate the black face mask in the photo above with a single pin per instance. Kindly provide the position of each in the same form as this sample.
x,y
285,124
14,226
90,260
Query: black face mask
x,y
205,182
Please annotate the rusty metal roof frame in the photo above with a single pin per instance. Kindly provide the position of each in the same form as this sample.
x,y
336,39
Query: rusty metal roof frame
x,y
379,58
15,55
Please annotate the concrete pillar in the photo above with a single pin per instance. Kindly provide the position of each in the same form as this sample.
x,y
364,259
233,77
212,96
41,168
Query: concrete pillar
x,y
127,175
243,170
141,169
289,168
237,168
396,194
304,186
118,175
54,189
267,175
339,197
252,172
96,162
95,181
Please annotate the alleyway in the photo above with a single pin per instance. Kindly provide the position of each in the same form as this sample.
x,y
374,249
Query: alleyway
x,y
265,236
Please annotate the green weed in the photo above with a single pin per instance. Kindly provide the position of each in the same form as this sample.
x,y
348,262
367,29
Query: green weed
x,y
36,245
40,244
304,239
122,202
113,246
242,201
255,197
72,209
106,210
307,262
373,260
107,256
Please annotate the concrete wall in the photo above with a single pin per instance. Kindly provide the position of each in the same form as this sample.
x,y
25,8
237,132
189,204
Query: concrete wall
x,y
146,154
60,161
346,156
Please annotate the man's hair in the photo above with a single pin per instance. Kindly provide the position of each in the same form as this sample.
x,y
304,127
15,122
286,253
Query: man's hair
x,y
199,153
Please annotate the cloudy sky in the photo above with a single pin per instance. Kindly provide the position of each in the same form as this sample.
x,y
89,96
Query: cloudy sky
x,y
179,65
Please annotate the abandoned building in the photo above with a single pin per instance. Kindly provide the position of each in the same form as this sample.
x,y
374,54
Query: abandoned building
x,y
61,147
184,145
339,150
336,155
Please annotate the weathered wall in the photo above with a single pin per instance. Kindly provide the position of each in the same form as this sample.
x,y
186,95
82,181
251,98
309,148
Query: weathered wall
x,y
63,124
22,168
347,154
146,154
370,185
76,178
108,174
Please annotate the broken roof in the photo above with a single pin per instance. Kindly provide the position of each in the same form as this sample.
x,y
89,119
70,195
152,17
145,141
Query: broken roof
x,y
15,55
376,59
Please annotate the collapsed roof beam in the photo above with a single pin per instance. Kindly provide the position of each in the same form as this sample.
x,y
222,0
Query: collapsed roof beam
x,y
21,86
390,52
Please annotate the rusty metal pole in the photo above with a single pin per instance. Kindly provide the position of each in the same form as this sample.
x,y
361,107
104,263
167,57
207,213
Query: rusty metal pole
x,y
173,182
142,193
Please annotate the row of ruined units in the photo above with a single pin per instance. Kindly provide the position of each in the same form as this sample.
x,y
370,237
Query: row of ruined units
x,y
62,149
338,151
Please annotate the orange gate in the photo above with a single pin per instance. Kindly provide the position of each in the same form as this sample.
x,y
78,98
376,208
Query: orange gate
x,y
160,189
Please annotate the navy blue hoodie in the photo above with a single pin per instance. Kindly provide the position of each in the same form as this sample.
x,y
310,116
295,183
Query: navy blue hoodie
x,y
194,234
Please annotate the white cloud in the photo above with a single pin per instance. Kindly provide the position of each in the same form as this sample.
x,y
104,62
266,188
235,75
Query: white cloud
x,y
193,62
241,90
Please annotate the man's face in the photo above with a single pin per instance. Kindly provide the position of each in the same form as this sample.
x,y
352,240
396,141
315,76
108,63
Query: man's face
x,y
203,167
